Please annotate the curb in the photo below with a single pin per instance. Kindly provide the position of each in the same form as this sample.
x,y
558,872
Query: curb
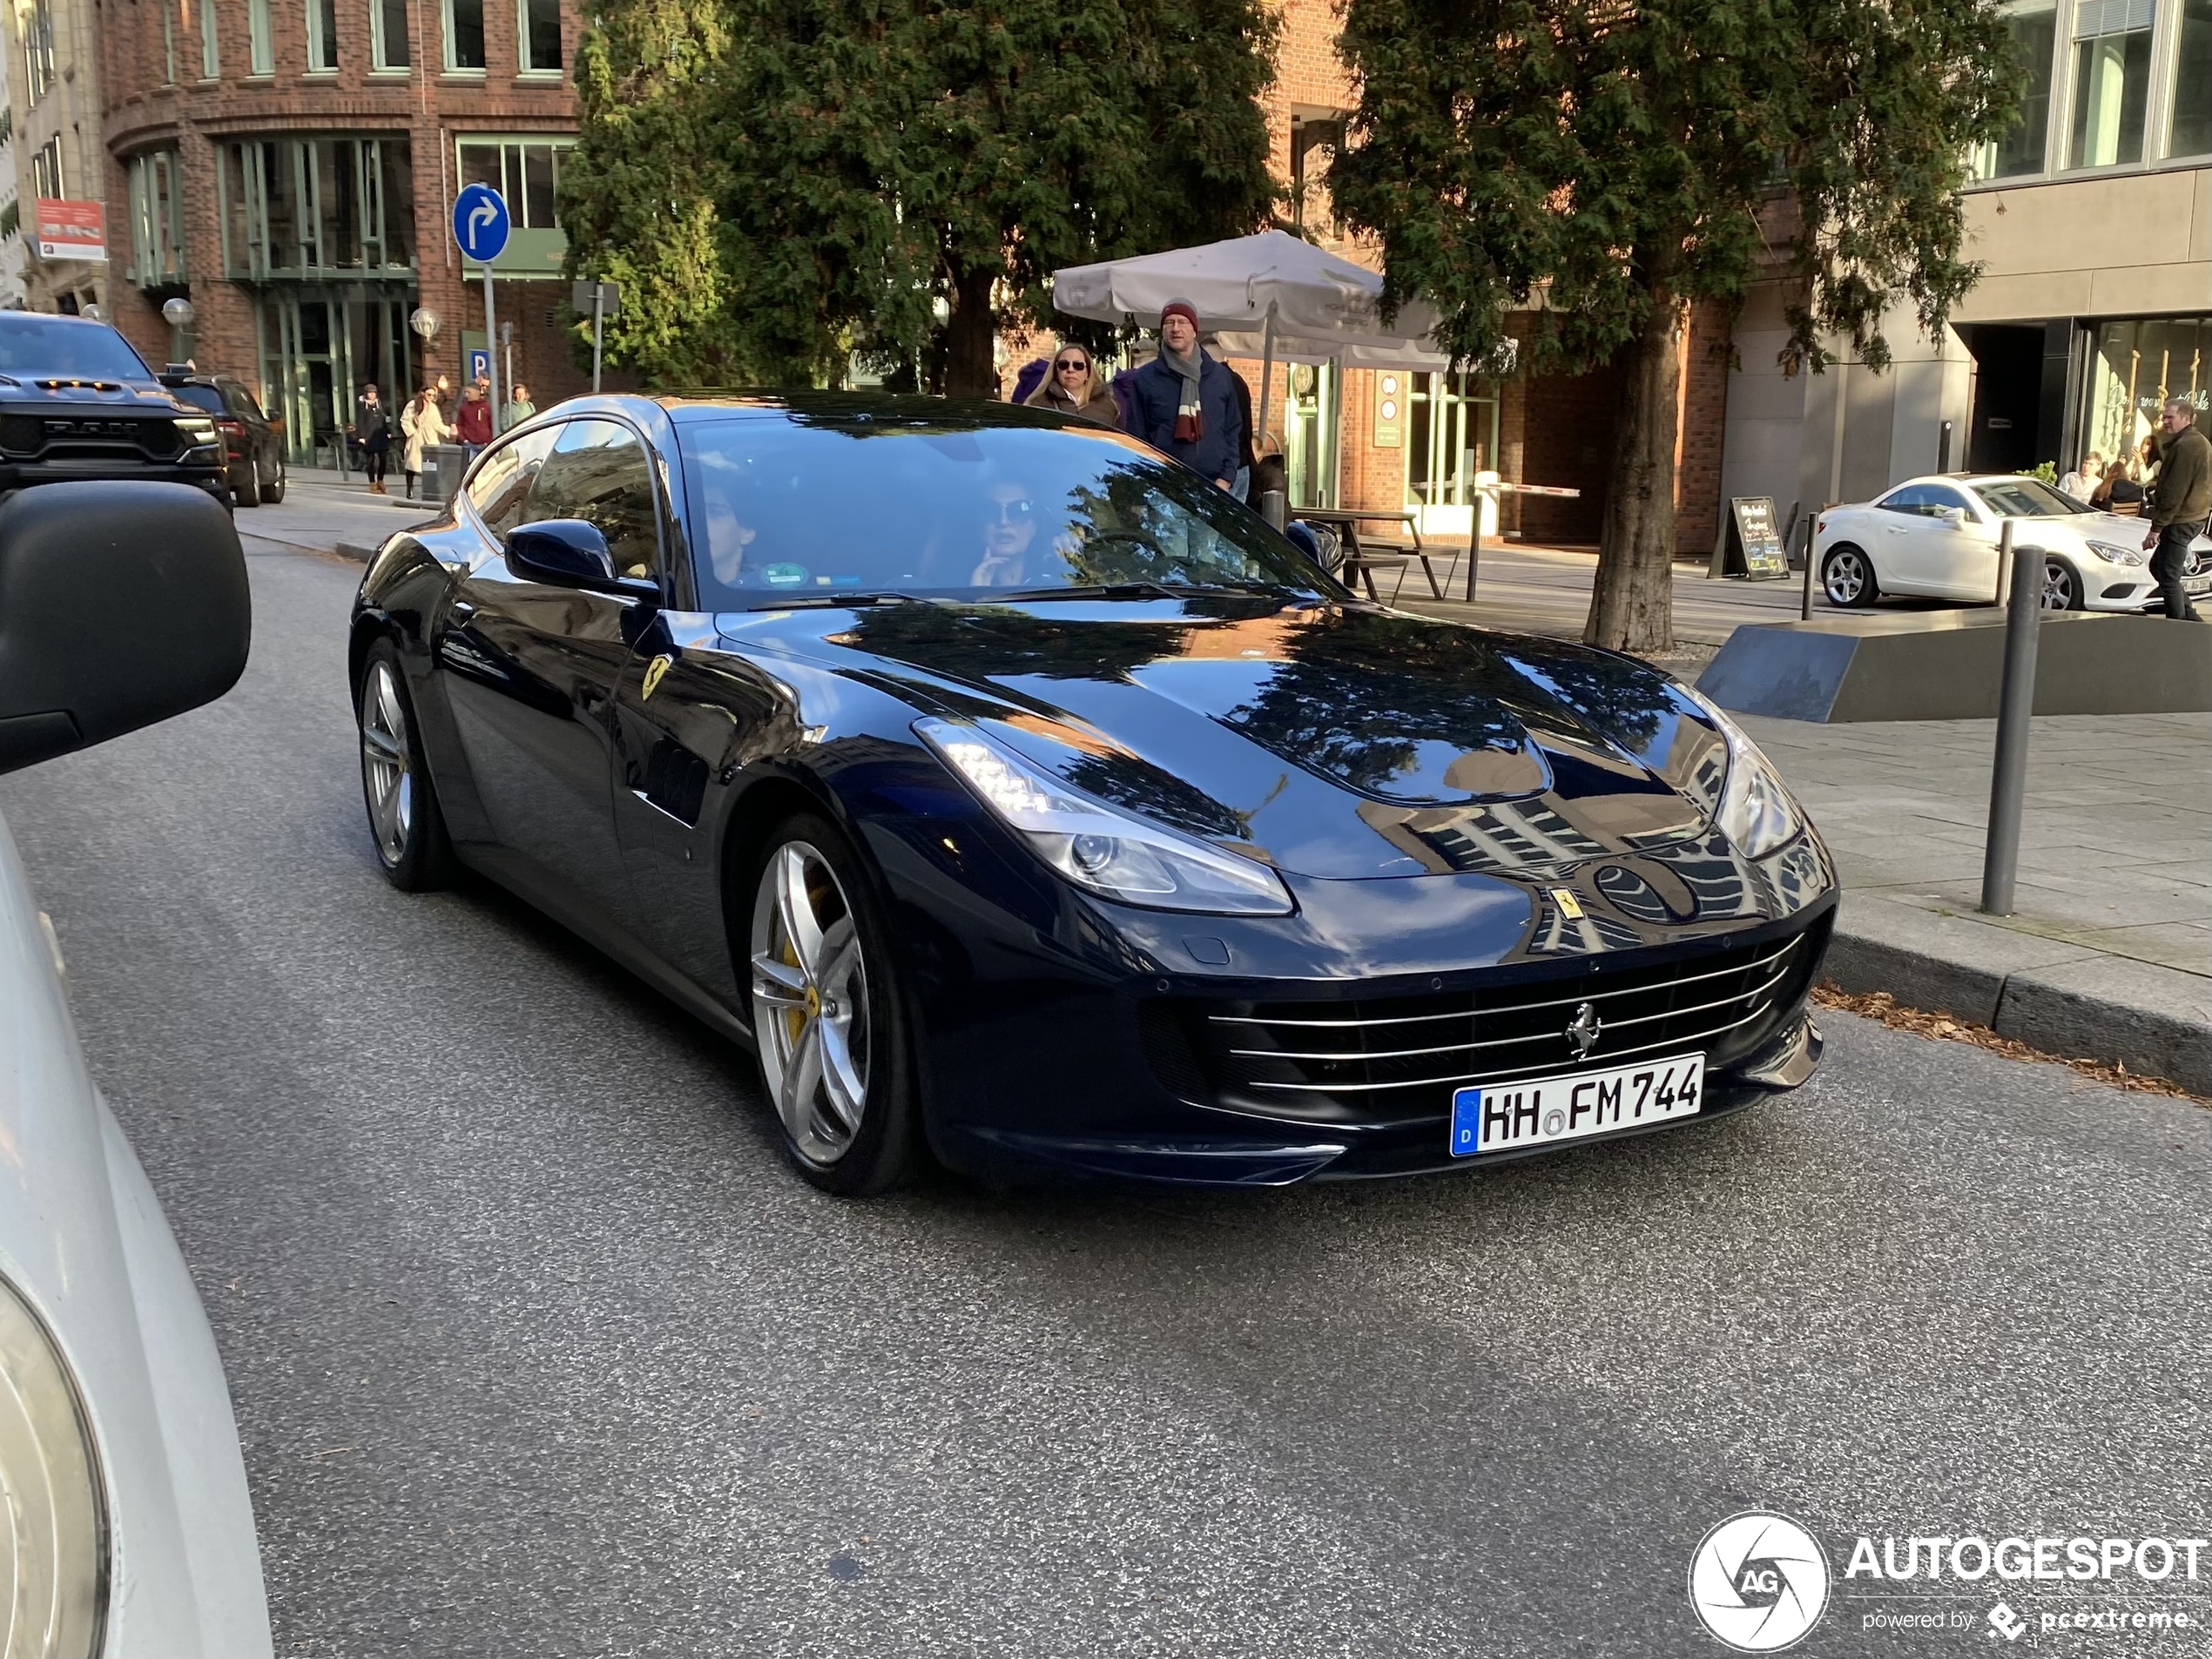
x,y
2063,998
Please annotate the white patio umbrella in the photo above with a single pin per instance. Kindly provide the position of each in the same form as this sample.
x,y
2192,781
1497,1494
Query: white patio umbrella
x,y
1271,290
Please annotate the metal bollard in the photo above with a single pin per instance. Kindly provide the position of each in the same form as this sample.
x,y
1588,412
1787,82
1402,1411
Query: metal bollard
x,y
2015,706
1274,507
1812,530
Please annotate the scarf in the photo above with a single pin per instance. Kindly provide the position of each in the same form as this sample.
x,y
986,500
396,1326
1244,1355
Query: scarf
x,y
1190,419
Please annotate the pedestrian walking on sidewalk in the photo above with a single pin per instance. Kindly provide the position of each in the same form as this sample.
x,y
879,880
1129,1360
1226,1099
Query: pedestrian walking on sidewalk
x,y
373,427
424,425
1184,402
1071,386
472,421
519,408
2181,504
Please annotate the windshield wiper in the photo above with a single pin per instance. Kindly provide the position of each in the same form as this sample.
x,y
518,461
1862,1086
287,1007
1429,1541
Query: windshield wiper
x,y
840,600
1138,591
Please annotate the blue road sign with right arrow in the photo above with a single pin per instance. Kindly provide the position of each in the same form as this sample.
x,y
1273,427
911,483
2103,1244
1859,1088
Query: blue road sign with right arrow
x,y
480,223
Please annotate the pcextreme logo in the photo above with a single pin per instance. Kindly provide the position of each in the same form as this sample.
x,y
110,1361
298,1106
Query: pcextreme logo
x,y
1759,1582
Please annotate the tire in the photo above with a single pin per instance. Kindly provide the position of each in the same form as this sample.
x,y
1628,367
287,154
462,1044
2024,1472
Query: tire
x,y
830,1026
2062,588
1847,577
248,490
405,824
272,493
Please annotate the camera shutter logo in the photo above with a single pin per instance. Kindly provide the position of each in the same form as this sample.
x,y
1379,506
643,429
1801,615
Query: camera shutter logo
x,y
1759,1583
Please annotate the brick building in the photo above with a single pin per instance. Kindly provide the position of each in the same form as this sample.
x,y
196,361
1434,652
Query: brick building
x,y
289,166
1370,438
53,122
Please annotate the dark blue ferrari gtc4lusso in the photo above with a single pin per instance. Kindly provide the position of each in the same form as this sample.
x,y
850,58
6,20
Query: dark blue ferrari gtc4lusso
x,y
1021,799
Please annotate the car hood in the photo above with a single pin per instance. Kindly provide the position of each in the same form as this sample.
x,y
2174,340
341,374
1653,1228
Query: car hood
x,y
1338,741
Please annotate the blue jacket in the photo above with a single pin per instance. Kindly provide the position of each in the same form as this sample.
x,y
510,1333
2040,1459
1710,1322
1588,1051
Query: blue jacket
x,y
1157,390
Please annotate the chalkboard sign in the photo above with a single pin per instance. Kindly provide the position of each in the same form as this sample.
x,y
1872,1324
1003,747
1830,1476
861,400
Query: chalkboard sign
x,y
1751,545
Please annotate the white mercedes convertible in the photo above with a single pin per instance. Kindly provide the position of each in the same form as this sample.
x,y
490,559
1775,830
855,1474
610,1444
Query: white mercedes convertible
x,y
1936,538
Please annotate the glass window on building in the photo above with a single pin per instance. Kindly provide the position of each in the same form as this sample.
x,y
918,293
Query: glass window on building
x,y
540,25
322,36
211,54
157,221
2111,81
38,48
464,21
388,35
1309,423
168,44
1451,419
300,207
523,172
46,170
260,49
2134,368
2192,130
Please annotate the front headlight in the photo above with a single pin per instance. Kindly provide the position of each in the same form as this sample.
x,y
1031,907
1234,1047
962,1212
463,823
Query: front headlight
x,y
53,1524
1757,813
197,432
2112,555
1111,852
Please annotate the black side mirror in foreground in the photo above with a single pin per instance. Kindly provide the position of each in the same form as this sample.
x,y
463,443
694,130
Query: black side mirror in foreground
x,y
566,552
120,605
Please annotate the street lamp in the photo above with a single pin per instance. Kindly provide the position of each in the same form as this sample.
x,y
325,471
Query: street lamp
x,y
179,312
424,321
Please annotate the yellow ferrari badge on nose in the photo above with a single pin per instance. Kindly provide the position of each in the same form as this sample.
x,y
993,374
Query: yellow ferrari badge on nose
x,y
654,671
1569,906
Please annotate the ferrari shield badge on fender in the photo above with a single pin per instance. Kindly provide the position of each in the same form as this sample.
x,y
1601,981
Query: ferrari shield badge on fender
x,y
654,671
1569,906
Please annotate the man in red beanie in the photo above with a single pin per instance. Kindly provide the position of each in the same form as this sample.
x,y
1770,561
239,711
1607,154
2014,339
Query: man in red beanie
x,y
1182,402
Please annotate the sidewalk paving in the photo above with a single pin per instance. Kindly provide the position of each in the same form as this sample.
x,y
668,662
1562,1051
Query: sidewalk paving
x,y
2109,953
2110,956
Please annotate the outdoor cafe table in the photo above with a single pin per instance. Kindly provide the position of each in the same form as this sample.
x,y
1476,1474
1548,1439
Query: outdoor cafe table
x,y
1361,565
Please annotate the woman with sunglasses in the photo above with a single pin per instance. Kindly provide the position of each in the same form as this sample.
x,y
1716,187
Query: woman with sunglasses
x,y
1072,388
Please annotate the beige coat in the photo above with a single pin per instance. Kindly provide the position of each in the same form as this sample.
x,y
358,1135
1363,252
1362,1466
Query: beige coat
x,y
423,426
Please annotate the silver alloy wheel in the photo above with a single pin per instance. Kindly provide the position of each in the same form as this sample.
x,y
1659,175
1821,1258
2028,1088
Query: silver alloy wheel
x,y
2057,586
810,1001
388,774
1846,576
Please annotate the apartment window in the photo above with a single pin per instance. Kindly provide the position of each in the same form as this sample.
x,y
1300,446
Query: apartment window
x,y
322,36
523,172
157,221
465,36
539,22
261,51
211,56
2034,30
38,48
46,170
388,34
168,43
314,206
2111,81
2192,132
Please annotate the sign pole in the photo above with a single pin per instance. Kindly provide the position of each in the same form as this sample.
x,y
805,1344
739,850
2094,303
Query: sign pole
x,y
599,322
491,340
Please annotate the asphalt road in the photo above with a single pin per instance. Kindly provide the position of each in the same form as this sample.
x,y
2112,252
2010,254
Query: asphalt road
x,y
537,1350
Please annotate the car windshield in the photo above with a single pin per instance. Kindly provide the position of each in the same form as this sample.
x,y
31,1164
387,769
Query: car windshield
x,y
799,508
2027,498
62,348
202,397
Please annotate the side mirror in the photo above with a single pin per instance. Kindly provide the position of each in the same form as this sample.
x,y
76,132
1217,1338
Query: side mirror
x,y
1954,517
565,552
120,605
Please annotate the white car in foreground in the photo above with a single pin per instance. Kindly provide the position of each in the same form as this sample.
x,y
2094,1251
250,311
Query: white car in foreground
x,y
1936,537
125,1531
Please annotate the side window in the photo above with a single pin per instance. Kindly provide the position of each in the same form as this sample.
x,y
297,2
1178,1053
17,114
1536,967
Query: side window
x,y
598,472
1941,500
500,488
240,400
1919,501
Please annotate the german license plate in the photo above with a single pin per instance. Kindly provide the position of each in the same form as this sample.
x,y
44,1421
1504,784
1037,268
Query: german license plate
x,y
1508,1117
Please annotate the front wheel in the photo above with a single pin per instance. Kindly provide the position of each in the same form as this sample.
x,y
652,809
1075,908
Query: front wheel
x,y
2062,588
403,816
1847,577
827,1014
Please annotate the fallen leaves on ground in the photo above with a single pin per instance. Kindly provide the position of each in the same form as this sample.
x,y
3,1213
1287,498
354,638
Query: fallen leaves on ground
x,y
1880,1005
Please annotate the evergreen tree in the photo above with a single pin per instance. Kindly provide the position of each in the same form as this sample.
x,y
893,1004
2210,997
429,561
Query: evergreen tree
x,y
792,181
1624,159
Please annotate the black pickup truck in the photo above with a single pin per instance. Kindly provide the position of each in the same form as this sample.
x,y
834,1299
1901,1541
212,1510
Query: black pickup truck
x,y
76,402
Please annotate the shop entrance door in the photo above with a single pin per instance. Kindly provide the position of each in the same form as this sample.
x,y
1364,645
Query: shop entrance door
x,y
1310,412
318,348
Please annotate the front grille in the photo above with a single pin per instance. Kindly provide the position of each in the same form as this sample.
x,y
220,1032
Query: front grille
x,y
92,437
1398,1060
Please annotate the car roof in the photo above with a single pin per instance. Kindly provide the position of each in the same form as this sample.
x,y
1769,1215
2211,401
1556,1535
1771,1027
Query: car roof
x,y
858,407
